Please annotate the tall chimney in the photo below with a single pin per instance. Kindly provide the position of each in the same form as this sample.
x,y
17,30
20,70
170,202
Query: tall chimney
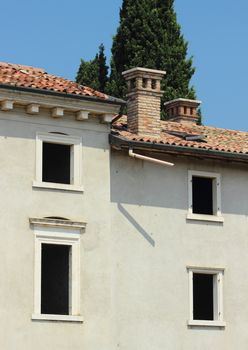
x,y
182,110
144,100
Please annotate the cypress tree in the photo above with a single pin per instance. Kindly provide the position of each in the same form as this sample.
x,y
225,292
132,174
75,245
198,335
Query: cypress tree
x,y
88,74
149,36
174,58
94,73
102,69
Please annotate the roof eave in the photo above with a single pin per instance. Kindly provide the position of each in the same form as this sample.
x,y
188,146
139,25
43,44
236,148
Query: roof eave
x,y
111,100
122,143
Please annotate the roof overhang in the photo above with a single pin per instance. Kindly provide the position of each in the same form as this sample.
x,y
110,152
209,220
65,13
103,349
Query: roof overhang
x,y
80,106
109,100
121,143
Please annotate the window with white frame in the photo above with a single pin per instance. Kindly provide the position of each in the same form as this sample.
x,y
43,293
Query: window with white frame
x,y
58,161
57,269
204,193
206,297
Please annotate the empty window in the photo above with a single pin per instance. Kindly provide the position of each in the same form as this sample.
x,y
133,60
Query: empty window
x,y
202,192
203,303
204,196
55,279
56,163
206,299
57,269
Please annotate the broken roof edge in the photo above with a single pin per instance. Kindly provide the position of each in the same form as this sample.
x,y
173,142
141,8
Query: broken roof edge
x,y
122,143
109,99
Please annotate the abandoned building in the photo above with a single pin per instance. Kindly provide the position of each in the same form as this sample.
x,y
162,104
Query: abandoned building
x,y
118,231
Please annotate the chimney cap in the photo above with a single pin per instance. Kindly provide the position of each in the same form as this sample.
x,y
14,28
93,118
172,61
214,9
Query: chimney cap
x,y
144,70
183,100
182,110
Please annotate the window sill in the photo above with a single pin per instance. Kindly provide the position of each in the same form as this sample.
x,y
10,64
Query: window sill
x,y
204,323
63,318
204,217
56,186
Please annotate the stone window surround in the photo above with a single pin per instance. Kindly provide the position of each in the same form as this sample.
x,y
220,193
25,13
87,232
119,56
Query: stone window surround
x,y
62,232
217,217
76,161
218,296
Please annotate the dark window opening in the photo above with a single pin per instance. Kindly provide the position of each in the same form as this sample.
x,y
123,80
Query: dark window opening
x,y
144,82
57,133
56,163
154,84
203,303
185,110
55,279
56,217
133,83
202,188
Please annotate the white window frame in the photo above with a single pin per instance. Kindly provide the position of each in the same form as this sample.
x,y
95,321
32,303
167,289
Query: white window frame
x,y
75,158
217,216
218,274
53,231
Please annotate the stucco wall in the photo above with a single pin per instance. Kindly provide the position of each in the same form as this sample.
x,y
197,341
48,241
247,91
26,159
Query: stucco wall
x,y
134,252
154,243
20,201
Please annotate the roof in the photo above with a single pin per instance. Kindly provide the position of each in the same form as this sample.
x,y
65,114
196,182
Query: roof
x,y
189,136
16,75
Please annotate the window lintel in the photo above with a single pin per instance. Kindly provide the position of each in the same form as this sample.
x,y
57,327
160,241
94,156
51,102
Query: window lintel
x,y
57,223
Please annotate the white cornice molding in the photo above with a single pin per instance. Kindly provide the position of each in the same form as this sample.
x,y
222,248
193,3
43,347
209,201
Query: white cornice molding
x,y
94,107
107,118
33,108
82,115
57,223
57,112
7,105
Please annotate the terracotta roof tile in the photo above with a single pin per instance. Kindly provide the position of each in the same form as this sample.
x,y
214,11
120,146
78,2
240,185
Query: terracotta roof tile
x,y
174,133
37,78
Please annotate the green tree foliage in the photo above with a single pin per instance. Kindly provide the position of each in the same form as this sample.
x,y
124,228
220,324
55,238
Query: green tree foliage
x,y
102,69
88,74
199,113
94,73
149,36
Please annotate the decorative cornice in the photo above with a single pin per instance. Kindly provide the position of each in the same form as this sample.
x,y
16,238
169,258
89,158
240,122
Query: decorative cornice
x,y
32,102
56,222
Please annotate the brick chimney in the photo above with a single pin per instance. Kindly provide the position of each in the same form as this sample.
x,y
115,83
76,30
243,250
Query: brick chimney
x,y
144,100
182,110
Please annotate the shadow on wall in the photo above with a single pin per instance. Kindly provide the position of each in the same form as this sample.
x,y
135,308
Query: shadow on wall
x,y
136,225
141,183
138,182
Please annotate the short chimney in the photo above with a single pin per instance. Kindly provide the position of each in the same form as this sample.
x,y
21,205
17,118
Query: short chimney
x,y
144,101
182,110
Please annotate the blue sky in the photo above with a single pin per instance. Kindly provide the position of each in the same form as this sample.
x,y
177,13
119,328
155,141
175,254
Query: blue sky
x,y
54,34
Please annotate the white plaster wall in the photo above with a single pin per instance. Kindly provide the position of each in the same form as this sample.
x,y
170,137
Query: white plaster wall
x,y
19,202
153,244
137,244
